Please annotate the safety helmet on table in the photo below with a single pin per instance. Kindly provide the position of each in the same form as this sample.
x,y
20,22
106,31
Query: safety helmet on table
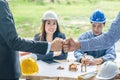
x,y
29,65
98,17
108,70
50,15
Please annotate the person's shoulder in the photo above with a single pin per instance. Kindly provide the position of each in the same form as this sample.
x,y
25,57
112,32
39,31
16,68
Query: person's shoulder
x,y
85,35
2,2
3,8
37,36
3,5
88,33
60,34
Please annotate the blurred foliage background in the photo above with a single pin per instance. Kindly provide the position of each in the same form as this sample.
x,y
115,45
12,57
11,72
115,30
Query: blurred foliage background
x,y
73,14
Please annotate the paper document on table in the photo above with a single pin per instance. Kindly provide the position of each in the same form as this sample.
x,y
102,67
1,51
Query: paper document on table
x,y
51,70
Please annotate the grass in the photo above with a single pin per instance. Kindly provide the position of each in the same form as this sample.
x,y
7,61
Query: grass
x,y
73,17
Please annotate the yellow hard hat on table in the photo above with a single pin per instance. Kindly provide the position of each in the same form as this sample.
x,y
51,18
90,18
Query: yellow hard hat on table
x,y
29,66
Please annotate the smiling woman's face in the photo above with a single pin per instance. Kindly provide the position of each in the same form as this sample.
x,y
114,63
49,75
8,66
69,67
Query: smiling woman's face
x,y
50,26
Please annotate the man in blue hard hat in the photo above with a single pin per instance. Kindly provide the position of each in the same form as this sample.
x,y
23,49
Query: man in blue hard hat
x,y
98,21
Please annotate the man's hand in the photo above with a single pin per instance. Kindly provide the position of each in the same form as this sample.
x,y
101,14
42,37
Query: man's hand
x,y
96,61
88,61
70,45
56,44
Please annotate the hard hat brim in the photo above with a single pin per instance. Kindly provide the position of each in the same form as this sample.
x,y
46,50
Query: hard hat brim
x,y
98,21
49,19
114,74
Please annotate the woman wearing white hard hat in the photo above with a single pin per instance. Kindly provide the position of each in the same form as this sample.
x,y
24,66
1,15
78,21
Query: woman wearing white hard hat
x,y
49,31
108,71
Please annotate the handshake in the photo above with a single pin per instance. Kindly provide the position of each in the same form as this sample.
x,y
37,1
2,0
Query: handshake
x,y
67,45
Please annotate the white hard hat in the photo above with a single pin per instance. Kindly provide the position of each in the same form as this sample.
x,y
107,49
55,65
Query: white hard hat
x,y
108,70
49,15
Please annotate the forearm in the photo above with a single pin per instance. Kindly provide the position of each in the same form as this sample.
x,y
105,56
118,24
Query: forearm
x,y
77,45
98,61
109,57
110,54
10,36
98,43
28,46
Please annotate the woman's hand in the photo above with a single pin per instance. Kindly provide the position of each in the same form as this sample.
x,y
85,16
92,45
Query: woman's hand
x,y
57,53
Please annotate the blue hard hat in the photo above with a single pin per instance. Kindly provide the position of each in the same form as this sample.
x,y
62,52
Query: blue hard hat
x,y
98,17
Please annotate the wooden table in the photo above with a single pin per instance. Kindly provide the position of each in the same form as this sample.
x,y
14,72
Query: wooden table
x,y
49,71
